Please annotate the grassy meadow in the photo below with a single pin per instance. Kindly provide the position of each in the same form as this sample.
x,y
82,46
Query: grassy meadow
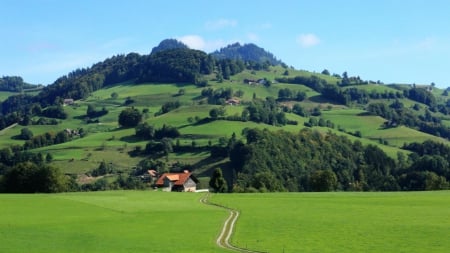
x,y
148,221
121,221
341,222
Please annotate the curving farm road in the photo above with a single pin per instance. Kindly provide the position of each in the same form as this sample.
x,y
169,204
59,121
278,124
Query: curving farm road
x,y
223,240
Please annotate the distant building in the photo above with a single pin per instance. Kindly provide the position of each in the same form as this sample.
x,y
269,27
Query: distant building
x,y
180,182
68,101
233,101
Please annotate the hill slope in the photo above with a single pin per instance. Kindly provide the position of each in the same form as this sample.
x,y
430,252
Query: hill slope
x,y
193,114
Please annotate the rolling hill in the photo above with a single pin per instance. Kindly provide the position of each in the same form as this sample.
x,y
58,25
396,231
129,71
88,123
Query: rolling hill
x,y
212,101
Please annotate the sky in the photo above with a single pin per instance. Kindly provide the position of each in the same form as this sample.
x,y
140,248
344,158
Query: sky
x,y
401,41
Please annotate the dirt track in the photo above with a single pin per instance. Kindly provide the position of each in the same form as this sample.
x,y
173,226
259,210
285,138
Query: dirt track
x,y
223,240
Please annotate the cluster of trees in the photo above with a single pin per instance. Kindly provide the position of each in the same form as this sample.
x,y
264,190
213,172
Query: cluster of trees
x,y
55,111
343,95
92,112
312,161
288,94
248,53
50,138
19,104
228,67
176,65
160,143
398,114
14,84
28,177
352,80
217,96
265,111
103,169
146,131
123,182
25,172
130,117
314,82
421,95
168,44
14,155
21,108
168,106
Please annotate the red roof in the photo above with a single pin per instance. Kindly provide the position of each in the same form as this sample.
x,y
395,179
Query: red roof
x,y
176,178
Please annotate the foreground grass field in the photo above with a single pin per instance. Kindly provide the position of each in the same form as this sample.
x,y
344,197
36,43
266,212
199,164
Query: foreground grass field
x,y
108,222
144,221
342,222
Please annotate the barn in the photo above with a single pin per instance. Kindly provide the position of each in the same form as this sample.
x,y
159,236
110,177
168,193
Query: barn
x,y
180,182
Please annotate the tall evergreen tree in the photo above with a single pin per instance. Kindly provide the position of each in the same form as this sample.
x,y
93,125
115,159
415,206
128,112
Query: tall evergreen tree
x,y
218,182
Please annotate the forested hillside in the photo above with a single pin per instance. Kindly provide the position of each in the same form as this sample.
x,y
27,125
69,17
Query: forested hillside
x,y
266,126
15,84
310,161
246,52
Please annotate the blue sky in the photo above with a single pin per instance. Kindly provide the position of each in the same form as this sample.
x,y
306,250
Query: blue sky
x,y
404,41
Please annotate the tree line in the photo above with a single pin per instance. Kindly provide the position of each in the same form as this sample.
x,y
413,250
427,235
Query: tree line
x,y
313,161
15,84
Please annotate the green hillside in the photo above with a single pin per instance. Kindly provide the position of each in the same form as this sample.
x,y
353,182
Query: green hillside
x,y
195,102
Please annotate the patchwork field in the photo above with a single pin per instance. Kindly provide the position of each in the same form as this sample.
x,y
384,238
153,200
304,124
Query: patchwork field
x,y
144,221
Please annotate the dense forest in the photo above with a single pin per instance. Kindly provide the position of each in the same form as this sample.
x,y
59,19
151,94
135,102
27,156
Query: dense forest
x,y
312,161
247,52
15,84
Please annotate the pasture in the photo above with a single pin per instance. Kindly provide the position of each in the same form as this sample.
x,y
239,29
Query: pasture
x,y
341,222
120,221
371,127
148,221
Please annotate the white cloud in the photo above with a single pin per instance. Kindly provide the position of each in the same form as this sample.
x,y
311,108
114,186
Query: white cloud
x,y
193,41
220,24
199,43
308,40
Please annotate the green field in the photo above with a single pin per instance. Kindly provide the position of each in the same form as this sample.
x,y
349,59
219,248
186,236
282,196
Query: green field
x,y
342,222
108,222
147,221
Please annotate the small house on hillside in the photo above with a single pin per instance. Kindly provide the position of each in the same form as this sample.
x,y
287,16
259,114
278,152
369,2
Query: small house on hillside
x,y
68,101
233,101
181,182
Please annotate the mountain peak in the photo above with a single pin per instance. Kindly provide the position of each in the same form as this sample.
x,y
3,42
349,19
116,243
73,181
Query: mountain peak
x,y
246,52
169,44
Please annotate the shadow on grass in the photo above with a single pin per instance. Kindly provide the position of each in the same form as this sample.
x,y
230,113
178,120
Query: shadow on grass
x,y
131,139
198,123
321,99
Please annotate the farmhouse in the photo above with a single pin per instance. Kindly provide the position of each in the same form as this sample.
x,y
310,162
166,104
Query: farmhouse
x,y
181,182
233,101
68,101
